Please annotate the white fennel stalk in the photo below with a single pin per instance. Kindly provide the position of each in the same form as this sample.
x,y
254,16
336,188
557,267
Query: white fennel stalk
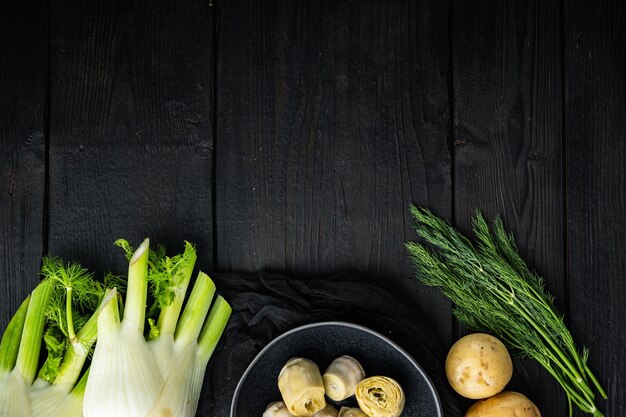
x,y
124,379
19,352
50,400
13,394
61,396
163,346
194,344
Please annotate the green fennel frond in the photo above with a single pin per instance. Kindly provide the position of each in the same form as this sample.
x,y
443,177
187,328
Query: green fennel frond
x,y
125,245
74,293
57,345
118,282
494,291
86,292
74,297
153,332
164,272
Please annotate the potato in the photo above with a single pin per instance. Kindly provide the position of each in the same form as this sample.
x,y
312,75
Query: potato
x,y
505,404
478,366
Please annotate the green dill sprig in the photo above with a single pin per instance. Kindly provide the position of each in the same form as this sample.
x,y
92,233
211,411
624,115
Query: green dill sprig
x,y
494,291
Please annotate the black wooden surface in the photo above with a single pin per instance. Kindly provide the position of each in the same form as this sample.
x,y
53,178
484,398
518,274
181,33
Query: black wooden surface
x,y
22,151
291,135
332,117
596,187
508,146
131,137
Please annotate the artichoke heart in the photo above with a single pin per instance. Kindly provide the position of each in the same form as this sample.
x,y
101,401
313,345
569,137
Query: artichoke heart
x,y
380,396
277,409
351,412
302,388
328,411
341,377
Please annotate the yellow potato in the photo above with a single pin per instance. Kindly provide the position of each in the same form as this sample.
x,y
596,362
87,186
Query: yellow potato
x,y
505,404
478,366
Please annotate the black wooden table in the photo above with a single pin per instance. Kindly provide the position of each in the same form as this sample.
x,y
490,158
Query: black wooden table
x,y
292,135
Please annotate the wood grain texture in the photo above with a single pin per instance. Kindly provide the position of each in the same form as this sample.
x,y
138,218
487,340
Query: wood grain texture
x,y
131,136
508,142
332,117
596,183
22,151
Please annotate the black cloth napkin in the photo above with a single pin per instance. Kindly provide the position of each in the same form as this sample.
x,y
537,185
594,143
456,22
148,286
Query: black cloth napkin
x,y
267,304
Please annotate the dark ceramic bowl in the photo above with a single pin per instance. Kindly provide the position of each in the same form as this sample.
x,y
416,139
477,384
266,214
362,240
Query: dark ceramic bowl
x,y
323,342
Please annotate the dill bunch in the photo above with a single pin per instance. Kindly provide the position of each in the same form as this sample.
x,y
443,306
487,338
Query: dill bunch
x,y
494,291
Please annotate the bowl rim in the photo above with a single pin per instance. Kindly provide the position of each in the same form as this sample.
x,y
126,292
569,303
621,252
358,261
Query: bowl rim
x,y
431,386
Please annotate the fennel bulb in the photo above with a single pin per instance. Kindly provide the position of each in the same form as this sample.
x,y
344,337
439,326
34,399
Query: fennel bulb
x,y
69,334
133,377
61,397
54,400
131,374
170,278
13,394
19,352
124,379
183,382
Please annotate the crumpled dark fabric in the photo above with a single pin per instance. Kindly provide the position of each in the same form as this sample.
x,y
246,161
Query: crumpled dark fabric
x,y
267,304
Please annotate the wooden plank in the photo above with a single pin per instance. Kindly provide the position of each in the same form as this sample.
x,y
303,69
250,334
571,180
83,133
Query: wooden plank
x,y
131,136
22,151
508,141
332,117
596,183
